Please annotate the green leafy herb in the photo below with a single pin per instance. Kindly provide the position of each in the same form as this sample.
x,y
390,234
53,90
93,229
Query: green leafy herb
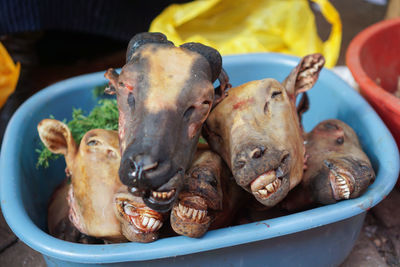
x,y
45,156
103,116
202,140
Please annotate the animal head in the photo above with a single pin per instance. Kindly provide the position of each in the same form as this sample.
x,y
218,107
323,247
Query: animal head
x,y
93,169
337,167
257,131
164,95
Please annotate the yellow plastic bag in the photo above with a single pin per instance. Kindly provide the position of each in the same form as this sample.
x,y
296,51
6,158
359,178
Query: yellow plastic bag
x,y
243,26
9,73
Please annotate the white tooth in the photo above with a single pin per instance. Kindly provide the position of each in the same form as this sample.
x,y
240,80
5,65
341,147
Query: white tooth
x,y
179,213
155,225
145,220
185,209
194,215
165,195
263,192
200,215
180,207
151,222
128,210
154,194
169,194
270,187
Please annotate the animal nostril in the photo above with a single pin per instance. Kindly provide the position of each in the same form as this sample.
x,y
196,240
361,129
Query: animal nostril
x,y
257,152
136,171
150,166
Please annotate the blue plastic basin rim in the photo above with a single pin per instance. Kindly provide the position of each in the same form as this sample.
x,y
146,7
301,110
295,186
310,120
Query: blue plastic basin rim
x,y
236,235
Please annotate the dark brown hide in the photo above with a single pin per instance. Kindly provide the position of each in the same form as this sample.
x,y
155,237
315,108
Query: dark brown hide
x,y
337,167
164,95
256,130
209,198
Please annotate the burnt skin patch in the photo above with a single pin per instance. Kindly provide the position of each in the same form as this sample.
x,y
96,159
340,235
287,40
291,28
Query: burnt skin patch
x,y
163,92
131,101
243,104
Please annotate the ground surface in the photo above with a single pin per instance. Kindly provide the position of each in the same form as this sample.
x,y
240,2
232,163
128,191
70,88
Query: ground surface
x,y
379,242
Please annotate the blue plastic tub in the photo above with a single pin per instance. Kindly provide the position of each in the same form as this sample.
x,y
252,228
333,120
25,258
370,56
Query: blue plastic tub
x,y
319,237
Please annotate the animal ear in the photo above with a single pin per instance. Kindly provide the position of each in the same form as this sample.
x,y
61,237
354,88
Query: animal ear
x,y
57,137
112,77
222,90
304,75
145,38
217,72
303,106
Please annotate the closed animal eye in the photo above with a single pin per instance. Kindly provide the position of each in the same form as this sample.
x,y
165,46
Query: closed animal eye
x,y
93,142
275,94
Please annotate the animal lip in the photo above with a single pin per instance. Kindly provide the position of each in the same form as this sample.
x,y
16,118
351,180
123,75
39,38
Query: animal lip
x,y
143,219
160,204
266,184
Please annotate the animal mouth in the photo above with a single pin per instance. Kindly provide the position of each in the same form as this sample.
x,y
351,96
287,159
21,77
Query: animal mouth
x,y
341,184
193,209
266,184
163,196
272,181
141,217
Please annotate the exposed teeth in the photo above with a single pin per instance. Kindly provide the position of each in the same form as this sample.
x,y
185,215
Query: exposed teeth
x,y
270,188
190,213
342,186
128,209
263,191
156,225
145,221
163,195
262,180
151,222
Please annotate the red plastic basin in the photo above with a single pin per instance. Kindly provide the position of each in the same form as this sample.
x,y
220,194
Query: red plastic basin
x,y
374,54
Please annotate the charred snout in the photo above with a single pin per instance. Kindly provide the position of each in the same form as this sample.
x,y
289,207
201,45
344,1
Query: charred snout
x,y
138,168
